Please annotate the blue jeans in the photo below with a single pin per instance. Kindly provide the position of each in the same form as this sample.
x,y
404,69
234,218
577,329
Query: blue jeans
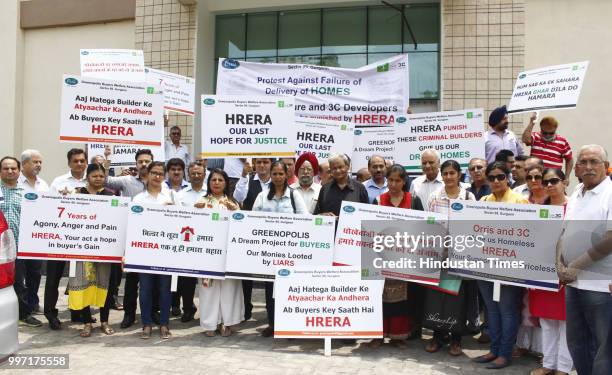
x,y
589,326
503,317
148,282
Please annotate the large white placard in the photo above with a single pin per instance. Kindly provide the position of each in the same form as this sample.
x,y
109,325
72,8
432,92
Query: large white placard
x,y
552,87
456,135
73,227
323,137
371,95
105,111
372,141
247,126
258,242
179,91
518,246
117,64
326,302
360,241
176,240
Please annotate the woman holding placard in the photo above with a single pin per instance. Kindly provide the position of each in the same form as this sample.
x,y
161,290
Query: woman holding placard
x,y
397,322
503,315
465,300
550,306
279,197
89,286
155,193
221,301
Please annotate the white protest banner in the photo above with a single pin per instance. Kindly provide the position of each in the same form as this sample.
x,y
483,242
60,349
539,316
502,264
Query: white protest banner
x,y
179,91
122,155
362,240
552,87
457,135
371,95
323,137
517,242
247,126
372,141
326,302
117,64
176,240
104,111
258,242
73,227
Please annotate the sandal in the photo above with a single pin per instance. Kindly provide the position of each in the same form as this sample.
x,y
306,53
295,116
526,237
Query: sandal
x,y
226,331
164,332
86,331
542,371
106,329
146,333
210,333
432,346
455,349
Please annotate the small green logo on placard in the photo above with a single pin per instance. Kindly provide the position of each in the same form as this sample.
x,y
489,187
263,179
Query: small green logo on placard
x,y
318,221
383,68
215,216
150,90
575,67
365,272
115,202
431,220
470,115
342,127
281,104
543,213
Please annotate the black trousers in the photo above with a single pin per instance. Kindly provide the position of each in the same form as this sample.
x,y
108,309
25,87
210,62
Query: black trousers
x,y
32,281
270,302
130,296
21,289
55,271
185,289
115,280
247,292
104,311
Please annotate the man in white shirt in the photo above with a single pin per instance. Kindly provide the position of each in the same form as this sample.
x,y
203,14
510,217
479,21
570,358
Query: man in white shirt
x,y
188,197
377,183
31,165
30,182
307,167
431,180
64,184
69,182
584,264
175,149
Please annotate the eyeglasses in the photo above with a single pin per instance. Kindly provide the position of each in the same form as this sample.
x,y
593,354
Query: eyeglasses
x,y
498,177
476,168
534,177
593,162
156,174
551,181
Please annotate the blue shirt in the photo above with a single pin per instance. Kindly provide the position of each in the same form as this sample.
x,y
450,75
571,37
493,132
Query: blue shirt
x,y
373,190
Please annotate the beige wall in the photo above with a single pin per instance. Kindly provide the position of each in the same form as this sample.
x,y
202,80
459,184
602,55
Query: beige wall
x,y
48,53
559,32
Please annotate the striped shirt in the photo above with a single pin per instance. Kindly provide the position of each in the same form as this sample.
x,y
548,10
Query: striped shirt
x,y
552,153
11,207
440,202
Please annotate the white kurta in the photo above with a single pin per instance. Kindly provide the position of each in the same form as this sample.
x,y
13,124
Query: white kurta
x,y
222,301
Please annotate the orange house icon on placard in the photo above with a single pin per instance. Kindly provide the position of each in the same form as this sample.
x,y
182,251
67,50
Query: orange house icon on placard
x,y
187,232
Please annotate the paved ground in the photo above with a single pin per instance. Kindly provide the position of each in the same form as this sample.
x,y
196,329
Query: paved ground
x,y
189,351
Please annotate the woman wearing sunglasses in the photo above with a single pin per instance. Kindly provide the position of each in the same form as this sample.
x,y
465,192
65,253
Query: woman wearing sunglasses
x,y
550,306
537,193
503,315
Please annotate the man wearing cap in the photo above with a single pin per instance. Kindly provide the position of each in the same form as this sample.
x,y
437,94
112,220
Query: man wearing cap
x,y
499,137
307,166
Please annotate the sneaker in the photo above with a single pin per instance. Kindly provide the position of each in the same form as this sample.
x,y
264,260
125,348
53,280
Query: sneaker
x,y
30,321
176,311
188,316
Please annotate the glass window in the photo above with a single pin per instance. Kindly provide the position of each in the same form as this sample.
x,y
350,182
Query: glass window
x,y
384,30
425,23
344,30
261,35
299,33
423,74
230,36
312,60
345,61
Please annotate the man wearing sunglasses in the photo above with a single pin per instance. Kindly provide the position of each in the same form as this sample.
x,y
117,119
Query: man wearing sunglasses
x,y
549,146
175,149
479,186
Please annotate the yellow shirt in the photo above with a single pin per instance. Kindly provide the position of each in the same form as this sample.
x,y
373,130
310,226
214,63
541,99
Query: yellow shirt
x,y
509,197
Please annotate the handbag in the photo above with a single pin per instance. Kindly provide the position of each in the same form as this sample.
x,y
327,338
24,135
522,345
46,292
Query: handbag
x,y
446,312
